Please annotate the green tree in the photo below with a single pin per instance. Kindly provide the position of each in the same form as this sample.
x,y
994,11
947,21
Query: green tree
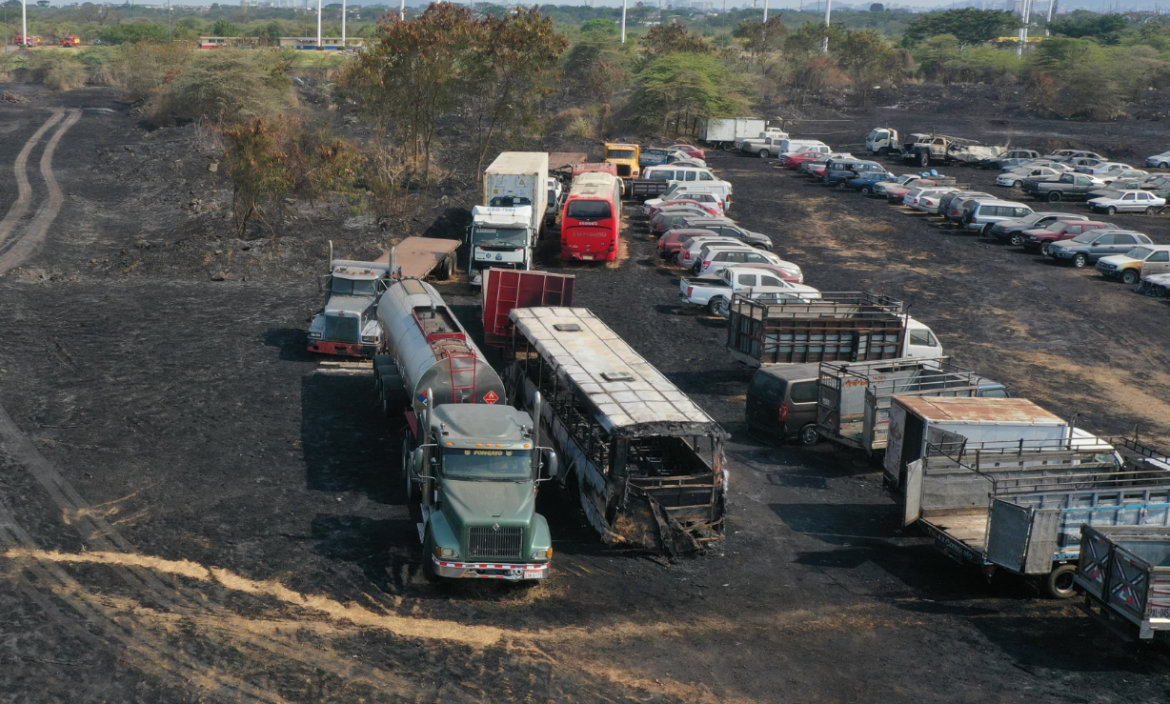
x,y
969,25
810,38
1082,24
867,58
601,26
131,33
593,68
673,38
685,86
223,28
761,37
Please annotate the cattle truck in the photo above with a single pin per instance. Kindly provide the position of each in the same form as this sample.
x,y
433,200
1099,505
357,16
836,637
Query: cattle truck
x,y
471,461
505,228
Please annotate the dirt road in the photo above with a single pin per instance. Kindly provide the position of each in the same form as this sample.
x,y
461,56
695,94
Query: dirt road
x,y
189,511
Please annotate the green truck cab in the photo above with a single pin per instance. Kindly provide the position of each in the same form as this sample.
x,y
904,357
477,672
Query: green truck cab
x,y
476,477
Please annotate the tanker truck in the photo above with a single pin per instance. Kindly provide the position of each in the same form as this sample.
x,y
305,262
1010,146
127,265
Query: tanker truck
x,y
469,459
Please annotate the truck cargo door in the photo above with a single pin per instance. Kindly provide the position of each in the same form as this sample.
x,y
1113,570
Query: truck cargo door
x,y
1009,526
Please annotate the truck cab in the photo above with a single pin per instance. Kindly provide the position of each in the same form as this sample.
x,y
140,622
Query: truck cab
x,y
500,236
882,141
476,477
625,157
347,325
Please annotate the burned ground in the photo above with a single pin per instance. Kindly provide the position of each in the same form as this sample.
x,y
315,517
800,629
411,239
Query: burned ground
x,y
191,511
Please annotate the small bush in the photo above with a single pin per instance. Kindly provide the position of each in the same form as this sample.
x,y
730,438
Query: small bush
x,y
98,62
57,70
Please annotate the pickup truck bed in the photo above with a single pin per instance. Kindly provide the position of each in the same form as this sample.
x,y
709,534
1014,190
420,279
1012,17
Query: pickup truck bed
x,y
644,188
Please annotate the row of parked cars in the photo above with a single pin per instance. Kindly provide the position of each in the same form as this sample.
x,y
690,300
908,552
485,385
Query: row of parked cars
x,y
1118,253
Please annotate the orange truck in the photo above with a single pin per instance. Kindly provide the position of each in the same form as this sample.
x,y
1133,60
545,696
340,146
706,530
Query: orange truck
x,y
70,41
31,41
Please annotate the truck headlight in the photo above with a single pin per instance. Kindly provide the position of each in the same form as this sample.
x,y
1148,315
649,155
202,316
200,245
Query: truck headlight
x,y
369,338
545,554
314,336
445,552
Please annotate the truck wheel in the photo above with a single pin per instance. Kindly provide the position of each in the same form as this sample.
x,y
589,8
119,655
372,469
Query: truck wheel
x,y
884,151
428,564
413,493
924,159
717,305
447,267
764,153
1130,277
1080,261
1059,583
1053,196
809,435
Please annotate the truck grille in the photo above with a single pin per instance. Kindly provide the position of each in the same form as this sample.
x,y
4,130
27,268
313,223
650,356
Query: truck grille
x,y
339,329
504,542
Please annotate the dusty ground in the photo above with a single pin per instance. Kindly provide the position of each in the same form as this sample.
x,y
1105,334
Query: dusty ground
x,y
189,511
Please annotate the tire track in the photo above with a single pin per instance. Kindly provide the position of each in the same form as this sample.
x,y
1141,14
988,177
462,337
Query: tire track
x,y
36,231
20,169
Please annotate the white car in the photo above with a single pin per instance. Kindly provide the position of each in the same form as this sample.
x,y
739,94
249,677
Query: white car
x,y
1108,167
1016,177
715,258
1159,161
916,195
689,251
1128,201
1130,175
930,202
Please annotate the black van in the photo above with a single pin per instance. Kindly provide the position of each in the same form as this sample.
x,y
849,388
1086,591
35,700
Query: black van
x,y
782,402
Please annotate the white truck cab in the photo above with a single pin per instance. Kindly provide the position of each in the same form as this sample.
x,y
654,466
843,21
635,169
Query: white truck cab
x,y
920,341
500,237
882,141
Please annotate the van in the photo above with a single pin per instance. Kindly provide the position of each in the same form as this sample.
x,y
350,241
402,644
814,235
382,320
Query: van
x,y
838,172
671,172
782,403
792,146
982,215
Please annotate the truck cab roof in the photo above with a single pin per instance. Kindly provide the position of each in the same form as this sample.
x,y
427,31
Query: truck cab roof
x,y
487,215
467,424
359,271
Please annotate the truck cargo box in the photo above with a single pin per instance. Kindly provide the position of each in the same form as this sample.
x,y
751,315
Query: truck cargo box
x,y
1124,572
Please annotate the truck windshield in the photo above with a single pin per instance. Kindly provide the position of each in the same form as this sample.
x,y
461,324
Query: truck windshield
x,y
493,237
509,201
487,465
350,287
620,154
589,209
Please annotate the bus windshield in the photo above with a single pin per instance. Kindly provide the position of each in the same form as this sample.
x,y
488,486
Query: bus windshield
x,y
488,465
588,210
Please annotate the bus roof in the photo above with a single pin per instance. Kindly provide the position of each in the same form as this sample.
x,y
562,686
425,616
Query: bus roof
x,y
632,397
594,183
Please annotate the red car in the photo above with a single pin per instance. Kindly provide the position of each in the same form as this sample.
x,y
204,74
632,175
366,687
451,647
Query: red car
x,y
688,150
817,171
671,242
791,161
1040,238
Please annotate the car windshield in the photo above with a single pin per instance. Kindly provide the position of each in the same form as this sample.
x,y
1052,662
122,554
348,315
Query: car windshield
x,y
620,154
1056,226
1085,238
1139,253
494,237
350,287
487,465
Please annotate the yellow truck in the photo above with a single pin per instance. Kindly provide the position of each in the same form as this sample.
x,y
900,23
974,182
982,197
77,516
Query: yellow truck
x,y
625,157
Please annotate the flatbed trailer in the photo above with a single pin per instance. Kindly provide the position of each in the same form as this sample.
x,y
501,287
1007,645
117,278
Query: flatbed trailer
x,y
850,326
1020,508
419,257
1124,573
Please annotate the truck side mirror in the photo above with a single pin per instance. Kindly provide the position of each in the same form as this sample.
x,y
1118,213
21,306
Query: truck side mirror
x,y
550,464
418,462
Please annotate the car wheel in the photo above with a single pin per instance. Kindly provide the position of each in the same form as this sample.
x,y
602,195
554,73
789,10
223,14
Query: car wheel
x,y
1018,184
764,154
1017,240
1080,260
1150,210
717,306
866,190
1044,249
986,231
1164,165
1130,277
1111,210
1059,583
1053,196
696,268
808,435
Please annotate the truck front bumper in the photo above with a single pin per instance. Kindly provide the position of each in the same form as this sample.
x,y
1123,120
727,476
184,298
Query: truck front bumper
x,y
343,349
490,570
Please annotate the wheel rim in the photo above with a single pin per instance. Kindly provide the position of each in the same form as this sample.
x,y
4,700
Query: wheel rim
x,y
1017,240
1063,583
1150,210
809,435
1079,261
1111,210
1018,184
1044,249
1130,277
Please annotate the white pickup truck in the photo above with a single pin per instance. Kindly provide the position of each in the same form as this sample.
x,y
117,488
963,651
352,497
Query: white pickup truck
x,y
715,291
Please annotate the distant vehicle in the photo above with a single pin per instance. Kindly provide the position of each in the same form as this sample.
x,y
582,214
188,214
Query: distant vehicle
x,y
865,183
670,218
725,132
691,151
70,41
1084,165
685,189
1070,154
911,199
1131,267
21,40
592,221
1058,230
850,170
1091,246
782,402
713,259
931,201
1066,187
795,159
707,202
1012,157
625,157
728,228
1012,231
880,189
1016,178
676,172
881,141
715,291
671,242
1128,202
688,253
1159,161
1106,168
941,149
793,146
981,215
764,144
505,228
556,191
951,205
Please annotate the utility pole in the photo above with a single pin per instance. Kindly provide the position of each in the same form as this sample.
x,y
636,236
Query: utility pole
x,y
318,25
765,11
1026,12
170,26
24,22
343,7
624,20
828,11
1051,9
402,12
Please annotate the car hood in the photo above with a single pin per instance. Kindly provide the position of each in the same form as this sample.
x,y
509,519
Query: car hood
x,y
1119,259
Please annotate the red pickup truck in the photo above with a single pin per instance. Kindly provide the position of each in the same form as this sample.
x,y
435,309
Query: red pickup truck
x,y
1040,238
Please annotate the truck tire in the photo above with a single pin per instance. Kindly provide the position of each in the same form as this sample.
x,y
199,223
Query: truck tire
x,y
428,565
884,151
1059,583
1054,196
716,305
924,159
808,435
1130,277
447,268
413,493
764,153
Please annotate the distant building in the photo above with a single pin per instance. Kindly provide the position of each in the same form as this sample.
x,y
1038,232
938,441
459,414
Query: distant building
x,y
327,43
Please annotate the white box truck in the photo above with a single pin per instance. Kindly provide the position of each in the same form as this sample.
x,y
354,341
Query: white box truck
x,y
505,228
724,132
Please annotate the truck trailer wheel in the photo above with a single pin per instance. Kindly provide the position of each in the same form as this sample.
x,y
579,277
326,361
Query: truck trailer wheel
x,y
1059,583
413,493
447,268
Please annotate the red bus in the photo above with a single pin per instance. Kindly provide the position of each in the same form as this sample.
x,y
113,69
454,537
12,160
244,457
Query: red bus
x,y
593,218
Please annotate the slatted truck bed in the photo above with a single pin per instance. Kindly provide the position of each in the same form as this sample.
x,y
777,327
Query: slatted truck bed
x,y
1124,573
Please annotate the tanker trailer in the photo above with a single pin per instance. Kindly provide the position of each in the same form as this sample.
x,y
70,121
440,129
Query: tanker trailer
x,y
469,459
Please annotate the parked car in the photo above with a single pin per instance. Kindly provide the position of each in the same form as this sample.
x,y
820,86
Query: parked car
x,y
688,252
851,170
1091,246
1120,179
1128,201
677,172
914,196
670,242
715,258
795,159
1084,164
930,201
981,215
689,150
727,228
951,205
1130,267
1016,178
1070,154
1066,187
1159,161
866,182
673,217
782,402
1039,239
1012,231
708,202
715,291
837,168
1107,167
881,189
1010,158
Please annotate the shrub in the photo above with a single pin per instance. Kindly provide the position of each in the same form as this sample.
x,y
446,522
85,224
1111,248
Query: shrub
x,y
57,70
145,67
225,87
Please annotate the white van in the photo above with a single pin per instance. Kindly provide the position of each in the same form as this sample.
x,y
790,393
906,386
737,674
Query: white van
x,y
983,214
674,172
795,146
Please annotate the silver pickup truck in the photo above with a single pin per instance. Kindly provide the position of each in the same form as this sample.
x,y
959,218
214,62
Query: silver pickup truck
x,y
715,291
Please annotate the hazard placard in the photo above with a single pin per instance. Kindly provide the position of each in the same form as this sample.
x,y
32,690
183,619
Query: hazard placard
x,y
490,397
